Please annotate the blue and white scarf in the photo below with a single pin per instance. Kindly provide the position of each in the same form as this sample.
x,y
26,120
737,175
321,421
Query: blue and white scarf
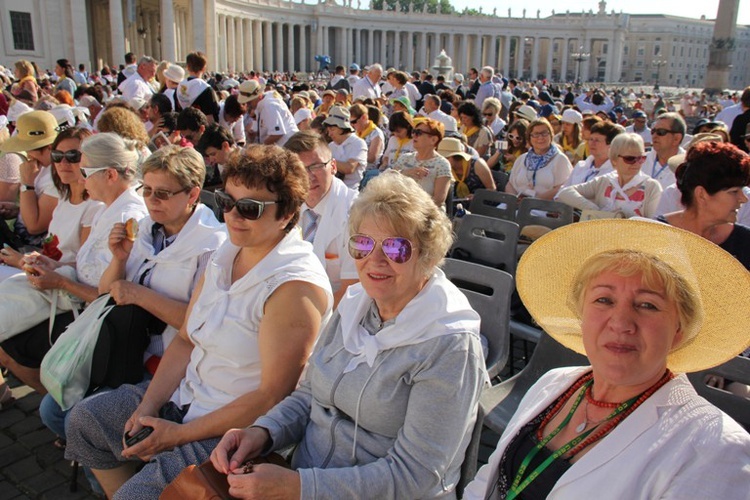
x,y
535,162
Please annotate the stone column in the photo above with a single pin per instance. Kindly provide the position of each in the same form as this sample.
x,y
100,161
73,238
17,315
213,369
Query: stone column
x,y
564,60
397,49
383,40
535,57
325,41
247,29
370,48
720,51
117,32
210,37
268,62
257,45
221,43
240,40
492,51
460,59
452,47
616,55
303,47
80,33
477,59
281,63
421,49
153,29
199,26
231,45
520,54
290,46
409,51
167,30
506,55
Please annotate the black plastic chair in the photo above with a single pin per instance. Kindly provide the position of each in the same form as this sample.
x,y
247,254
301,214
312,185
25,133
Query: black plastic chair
x,y
487,241
488,291
547,213
737,370
471,457
494,204
501,401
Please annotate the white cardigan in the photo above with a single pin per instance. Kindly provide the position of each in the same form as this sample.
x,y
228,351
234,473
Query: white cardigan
x,y
675,445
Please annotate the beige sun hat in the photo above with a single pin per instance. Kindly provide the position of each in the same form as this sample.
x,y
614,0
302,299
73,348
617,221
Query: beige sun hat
x,y
249,91
174,73
339,117
527,112
35,130
719,282
450,146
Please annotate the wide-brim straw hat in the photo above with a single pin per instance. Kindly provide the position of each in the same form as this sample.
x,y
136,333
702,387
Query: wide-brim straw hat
x,y
35,130
719,282
452,147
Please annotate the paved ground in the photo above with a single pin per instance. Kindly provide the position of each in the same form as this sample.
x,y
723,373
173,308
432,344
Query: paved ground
x,y
30,465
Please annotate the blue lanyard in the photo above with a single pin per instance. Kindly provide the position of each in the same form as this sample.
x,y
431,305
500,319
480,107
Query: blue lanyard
x,y
653,168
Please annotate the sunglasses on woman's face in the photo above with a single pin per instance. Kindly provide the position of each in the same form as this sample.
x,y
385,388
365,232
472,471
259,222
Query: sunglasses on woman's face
x,y
247,207
632,160
87,172
161,194
72,155
418,132
514,137
398,250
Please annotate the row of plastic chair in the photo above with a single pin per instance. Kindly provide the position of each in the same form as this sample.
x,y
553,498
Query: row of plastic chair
x,y
529,211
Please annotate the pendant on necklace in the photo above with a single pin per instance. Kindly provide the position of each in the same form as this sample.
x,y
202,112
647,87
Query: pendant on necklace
x,y
581,426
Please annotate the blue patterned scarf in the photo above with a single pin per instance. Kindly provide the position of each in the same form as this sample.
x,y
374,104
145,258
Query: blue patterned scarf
x,y
535,162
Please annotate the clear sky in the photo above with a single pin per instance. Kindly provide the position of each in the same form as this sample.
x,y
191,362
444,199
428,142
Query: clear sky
x,y
684,8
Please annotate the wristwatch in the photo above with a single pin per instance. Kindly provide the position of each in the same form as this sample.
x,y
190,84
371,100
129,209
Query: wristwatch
x,y
25,188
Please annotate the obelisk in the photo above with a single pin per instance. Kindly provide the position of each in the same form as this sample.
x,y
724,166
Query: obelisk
x,y
722,46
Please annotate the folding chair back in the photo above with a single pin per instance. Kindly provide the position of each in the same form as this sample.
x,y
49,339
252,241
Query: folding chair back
x,y
737,370
488,291
494,204
547,213
487,241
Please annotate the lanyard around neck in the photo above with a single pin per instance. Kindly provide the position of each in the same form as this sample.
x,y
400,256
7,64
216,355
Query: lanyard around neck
x,y
518,486
654,173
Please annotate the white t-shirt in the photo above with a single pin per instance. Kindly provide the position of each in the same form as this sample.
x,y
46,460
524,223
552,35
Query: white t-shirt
x,y
365,88
67,222
274,118
353,148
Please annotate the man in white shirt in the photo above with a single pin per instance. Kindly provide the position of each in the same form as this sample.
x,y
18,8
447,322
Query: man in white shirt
x,y
349,150
325,214
667,133
431,109
640,127
274,120
369,86
598,162
353,77
137,86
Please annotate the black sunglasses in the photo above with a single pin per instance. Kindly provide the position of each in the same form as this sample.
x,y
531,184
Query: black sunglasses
x,y
661,132
247,207
72,155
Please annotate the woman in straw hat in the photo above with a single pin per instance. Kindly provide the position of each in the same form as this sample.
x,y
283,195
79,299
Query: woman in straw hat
x,y
646,303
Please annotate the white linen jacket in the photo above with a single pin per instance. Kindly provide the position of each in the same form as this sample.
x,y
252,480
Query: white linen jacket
x,y
675,445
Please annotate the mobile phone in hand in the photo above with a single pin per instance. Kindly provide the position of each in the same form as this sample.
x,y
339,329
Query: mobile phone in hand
x,y
138,436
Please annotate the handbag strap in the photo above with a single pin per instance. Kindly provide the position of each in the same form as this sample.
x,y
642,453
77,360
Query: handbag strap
x,y
53,312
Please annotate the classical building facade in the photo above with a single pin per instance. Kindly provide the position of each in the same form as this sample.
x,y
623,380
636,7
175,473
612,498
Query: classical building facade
x,y
240,35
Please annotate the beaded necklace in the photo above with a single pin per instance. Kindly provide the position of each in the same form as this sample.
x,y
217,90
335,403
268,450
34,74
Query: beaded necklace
x,y
587,438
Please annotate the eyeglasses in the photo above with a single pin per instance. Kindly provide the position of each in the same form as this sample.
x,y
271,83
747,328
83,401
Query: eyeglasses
x,y
419,132
661,132
632,160
247,207
398,250
488,114
72,155
514,137
87,172
540,135
160,194
317,167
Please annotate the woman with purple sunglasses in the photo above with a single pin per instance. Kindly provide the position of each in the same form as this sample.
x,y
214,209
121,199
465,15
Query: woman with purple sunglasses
x,y
626,191
390,397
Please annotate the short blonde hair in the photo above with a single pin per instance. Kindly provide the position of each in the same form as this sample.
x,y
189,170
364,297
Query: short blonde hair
x,y
25,68
399,201
655,274
492,103
624,142
184,164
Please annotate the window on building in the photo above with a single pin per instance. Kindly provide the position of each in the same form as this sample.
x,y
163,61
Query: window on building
x,y
639,63
674,50
625,50
23,36
604,48
682,51
641,51
657,50
555,47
